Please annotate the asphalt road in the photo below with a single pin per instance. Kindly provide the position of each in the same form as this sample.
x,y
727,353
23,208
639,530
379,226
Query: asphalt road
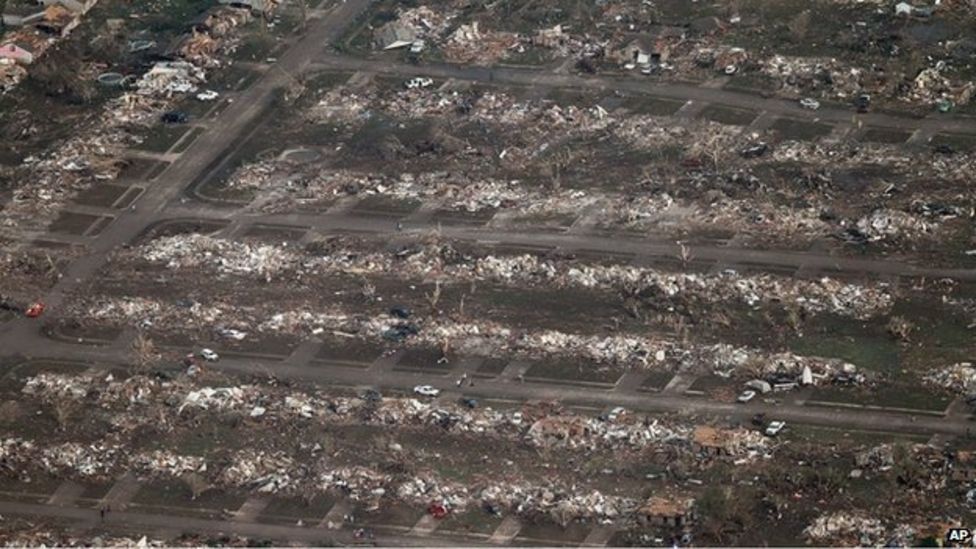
x,y
524,76
331,374
138,523
206,152
608,243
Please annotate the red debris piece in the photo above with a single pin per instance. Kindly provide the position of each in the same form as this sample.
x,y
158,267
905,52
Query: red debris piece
x,y
34,310
437,510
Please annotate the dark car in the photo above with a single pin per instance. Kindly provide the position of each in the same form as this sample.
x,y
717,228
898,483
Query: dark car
x,y
175,117
862,102
400,312
754,151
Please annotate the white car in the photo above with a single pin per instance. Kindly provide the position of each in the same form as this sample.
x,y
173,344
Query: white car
x,y
231,333
208,95
746,396
616,413
209,355
774,428
418,82
426,390
517,418
810,103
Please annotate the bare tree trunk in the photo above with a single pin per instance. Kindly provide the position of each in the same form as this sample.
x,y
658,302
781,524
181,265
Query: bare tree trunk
x,y
143,352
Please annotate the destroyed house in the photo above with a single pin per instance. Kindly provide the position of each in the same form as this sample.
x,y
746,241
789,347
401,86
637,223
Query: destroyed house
x,y
394,35
666,511
21,13
57,21
711,441
964,466
649,47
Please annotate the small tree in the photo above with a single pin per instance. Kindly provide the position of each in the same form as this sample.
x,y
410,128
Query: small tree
x,y
434,296
144,353
368,291
64,409
684,253
196,483
900,328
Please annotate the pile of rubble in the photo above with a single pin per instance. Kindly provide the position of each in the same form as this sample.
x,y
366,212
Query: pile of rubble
x,y
557,502
357,482
840,528
263,471
224,255
742,445
28,271
470,45
163,463
428,262
276,472
931,86
214,34
95,460
282,187
893,224
804,75
959,378
22,533
271,470
483,338
416,25
167,79
841,154
540,426
95,154
40,31
336,105
426,488
877,458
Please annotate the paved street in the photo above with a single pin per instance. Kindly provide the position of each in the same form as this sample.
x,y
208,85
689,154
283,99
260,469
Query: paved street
x,y
652,87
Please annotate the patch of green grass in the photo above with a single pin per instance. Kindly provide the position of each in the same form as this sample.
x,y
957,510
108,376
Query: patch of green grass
x,y
187,140
728,115
865,344
474,521
799,130
162,137
653,106
958,141
885,135
826,435
887,395
572,369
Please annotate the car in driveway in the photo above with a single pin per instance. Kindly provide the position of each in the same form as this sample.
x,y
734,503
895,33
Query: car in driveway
x,y
209,355
774,428
745,396
174,117
426,390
